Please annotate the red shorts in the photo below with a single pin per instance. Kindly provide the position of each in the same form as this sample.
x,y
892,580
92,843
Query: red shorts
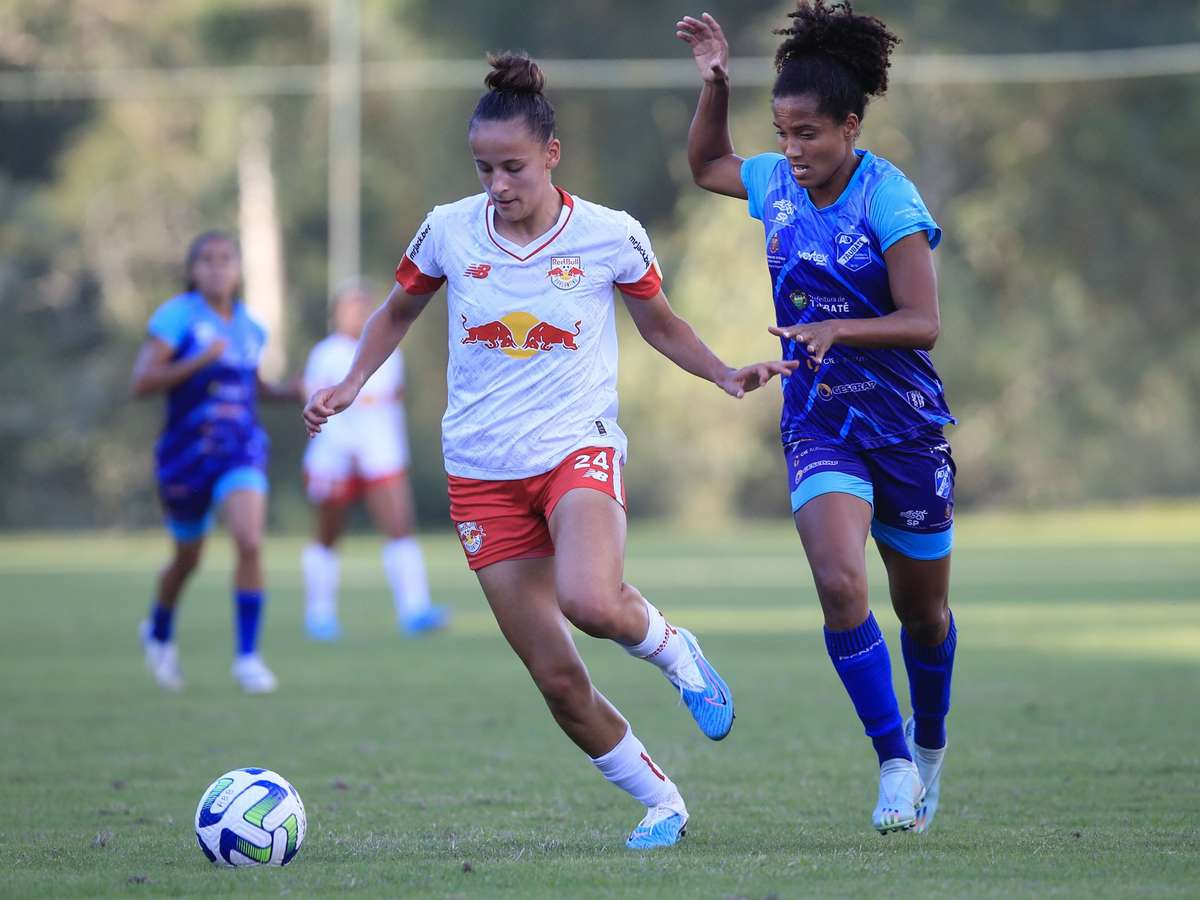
x,y
499,520
343,491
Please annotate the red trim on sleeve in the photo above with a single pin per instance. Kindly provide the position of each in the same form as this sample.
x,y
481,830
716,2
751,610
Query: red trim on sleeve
x,y
645,287
414,281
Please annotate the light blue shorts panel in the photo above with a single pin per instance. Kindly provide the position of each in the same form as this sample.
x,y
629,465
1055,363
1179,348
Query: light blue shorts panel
x,y
832,483
245,478
915,544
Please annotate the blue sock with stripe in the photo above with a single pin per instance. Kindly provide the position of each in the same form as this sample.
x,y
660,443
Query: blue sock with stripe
x,y
162,622
929,673
247,617
861,659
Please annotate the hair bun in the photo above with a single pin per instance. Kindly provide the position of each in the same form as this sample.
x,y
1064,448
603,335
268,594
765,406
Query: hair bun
x,y
514,72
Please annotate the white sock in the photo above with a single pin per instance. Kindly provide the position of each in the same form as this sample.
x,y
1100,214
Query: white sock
x,y
666,649
322,570
630,768
405,568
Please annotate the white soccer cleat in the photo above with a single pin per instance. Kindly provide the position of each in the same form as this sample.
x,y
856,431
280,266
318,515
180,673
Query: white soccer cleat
x,y
253,675
162,660
929,765
900,792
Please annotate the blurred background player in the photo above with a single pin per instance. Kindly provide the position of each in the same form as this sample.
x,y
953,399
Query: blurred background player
x,y
362,454
202,349
849,246
531,442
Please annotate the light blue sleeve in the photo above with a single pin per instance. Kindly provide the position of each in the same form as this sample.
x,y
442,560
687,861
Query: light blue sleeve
x,y
171,321
756,175
896,210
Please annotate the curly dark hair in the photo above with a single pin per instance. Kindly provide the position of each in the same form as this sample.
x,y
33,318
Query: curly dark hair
x,y
515,87
831,52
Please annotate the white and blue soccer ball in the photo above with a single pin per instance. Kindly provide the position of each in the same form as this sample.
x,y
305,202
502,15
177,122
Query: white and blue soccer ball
x,y
250,817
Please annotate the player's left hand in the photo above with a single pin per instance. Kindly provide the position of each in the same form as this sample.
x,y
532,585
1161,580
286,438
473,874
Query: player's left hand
x,y
815,337
739,382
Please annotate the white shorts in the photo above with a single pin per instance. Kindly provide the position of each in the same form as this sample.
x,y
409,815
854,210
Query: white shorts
x,y
360,450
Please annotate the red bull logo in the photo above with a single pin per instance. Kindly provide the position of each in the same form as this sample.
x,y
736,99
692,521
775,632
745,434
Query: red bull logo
x,y
471,534
494,335
565,271
521,335
544,336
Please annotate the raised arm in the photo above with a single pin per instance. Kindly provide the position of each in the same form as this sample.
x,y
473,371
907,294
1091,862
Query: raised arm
x,y
155,371
384,330
675,339
715,167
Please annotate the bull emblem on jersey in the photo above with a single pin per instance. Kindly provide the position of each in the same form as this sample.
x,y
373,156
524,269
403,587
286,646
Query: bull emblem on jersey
x,y
544,336
565,271
493,334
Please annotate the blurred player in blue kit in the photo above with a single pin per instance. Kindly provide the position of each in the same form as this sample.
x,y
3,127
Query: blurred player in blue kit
x,y
849,246
202,349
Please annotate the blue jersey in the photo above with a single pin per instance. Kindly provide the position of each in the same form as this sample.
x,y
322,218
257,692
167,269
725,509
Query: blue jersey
x,y
828,264
212,424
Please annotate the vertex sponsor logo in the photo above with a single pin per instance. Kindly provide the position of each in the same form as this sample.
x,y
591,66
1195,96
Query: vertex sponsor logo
x,y
814,257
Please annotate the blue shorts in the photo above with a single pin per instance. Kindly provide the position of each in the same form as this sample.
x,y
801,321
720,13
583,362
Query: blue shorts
x,y
191,506
909,485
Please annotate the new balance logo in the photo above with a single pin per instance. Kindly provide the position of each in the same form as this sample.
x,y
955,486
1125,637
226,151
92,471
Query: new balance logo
x,y
478,270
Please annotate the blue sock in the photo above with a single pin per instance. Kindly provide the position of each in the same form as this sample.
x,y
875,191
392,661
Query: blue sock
x,y
162,622
860,656
929,671
247,615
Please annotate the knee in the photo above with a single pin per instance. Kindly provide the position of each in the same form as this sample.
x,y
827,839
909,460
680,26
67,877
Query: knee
x,y
248,545
596,613
565,688
842,588
927,627
185,561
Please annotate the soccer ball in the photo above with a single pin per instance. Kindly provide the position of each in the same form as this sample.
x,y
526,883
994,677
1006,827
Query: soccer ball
x,y
250,817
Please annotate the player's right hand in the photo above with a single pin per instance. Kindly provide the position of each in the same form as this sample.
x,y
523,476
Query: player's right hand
x,y
325,403
709,47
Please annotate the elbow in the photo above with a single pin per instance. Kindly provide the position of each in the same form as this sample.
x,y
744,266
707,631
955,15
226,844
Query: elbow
x,y
138,388
701,173
929,335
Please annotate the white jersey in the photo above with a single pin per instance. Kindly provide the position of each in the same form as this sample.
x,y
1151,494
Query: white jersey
x,y
367,438
532,373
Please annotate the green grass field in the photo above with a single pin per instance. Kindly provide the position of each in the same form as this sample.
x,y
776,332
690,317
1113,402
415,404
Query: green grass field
x,y
432,769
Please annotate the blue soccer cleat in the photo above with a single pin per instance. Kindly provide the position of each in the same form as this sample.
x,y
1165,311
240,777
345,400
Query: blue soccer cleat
x,y
322,628
427,621
663,826
704,692
929,765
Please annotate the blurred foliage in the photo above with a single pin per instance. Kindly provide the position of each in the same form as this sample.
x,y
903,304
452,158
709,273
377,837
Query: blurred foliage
x,y
1070,343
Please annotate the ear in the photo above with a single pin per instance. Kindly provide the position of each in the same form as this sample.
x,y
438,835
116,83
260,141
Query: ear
x,y
852,127
553,153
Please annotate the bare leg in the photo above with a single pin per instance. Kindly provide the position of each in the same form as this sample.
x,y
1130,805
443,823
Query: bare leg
x,y
390,504
185,557
834,529
245,516
920,591
588,529
521,595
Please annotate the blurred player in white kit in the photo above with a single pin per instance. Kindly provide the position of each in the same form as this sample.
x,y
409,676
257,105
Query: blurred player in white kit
x,y
363,454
